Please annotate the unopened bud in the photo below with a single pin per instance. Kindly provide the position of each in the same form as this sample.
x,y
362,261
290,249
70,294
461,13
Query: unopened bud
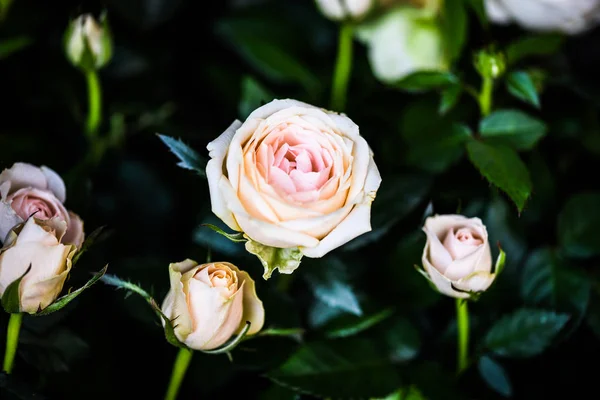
x,y
88,43
490,63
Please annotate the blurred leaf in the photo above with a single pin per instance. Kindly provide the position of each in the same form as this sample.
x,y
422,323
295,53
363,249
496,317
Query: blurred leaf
x,y
253,96
425,373
13,45
427,80
189,158
66,299
397,197
438,150
479,8
346,368
593,314
512,128
320,313
524,333
449,98
349,325
454,28
11,299
146,14
217,241
401,340
278,392
13,388
53,351
494,375
408,393
329,281
534,45
89,242
548,282
502,167
578,222
257,44
521,85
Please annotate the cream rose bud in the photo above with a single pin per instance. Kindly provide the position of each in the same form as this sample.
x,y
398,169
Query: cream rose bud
x,y
36,243
338,10
293,176
402,41
27,190
568,16
88,43
457,256
211,302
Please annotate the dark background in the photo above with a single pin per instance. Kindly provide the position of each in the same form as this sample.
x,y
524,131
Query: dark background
x,y
175,72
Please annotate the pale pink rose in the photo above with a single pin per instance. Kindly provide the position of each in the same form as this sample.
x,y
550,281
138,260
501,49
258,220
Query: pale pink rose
x,y
209,303
344,9
36,243
27,190
457,256
568,16
293,175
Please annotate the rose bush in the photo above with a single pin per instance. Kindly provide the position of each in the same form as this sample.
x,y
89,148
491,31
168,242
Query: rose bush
x,y
293,175
209,303
27,190
457,256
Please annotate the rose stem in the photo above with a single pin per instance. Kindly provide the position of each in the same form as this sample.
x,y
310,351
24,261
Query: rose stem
x,y
12,339
179,368
343,66
462,322
95,103
485,97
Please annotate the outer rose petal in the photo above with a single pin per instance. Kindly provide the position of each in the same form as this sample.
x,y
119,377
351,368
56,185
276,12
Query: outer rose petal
x,y
175,304
496,11
476,282
465,266
253,306
214,174
437,254
22,175
443,284
75,234
355,224
55,183
8,219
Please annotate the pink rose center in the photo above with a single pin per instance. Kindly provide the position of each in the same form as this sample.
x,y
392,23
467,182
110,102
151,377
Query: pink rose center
x,y
466,236
292,160
27,204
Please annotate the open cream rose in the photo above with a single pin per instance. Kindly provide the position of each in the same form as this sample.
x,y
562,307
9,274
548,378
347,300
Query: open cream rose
x,y
27,190
209,303
36,243
568,16
293,175
457,256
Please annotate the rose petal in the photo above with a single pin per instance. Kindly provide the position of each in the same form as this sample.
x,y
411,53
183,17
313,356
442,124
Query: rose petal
x,y
443,284
476,282
437,255
254,311
55,183
459,249
75,234
462,267
8,220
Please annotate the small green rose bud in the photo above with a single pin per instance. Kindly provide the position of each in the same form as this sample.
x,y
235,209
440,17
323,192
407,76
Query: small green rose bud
x,y
88,44
490,63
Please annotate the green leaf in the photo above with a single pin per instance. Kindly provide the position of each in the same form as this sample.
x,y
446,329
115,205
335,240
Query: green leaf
x,y
548,282
272,258
169,328
512,128
258,41
494,375
521,85
330,284
502,167
347,325
534,45
341,369
524,333
401,340
189,158
13,45
427,80
454,28
234,237
408,393
66,299
88,242
449,98
578,222
398,196
253,96
11,299
437,150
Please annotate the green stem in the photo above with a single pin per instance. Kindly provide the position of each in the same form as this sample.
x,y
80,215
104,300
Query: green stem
x,y
179,368
12,340
462,321
343,66
485,97
95,105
